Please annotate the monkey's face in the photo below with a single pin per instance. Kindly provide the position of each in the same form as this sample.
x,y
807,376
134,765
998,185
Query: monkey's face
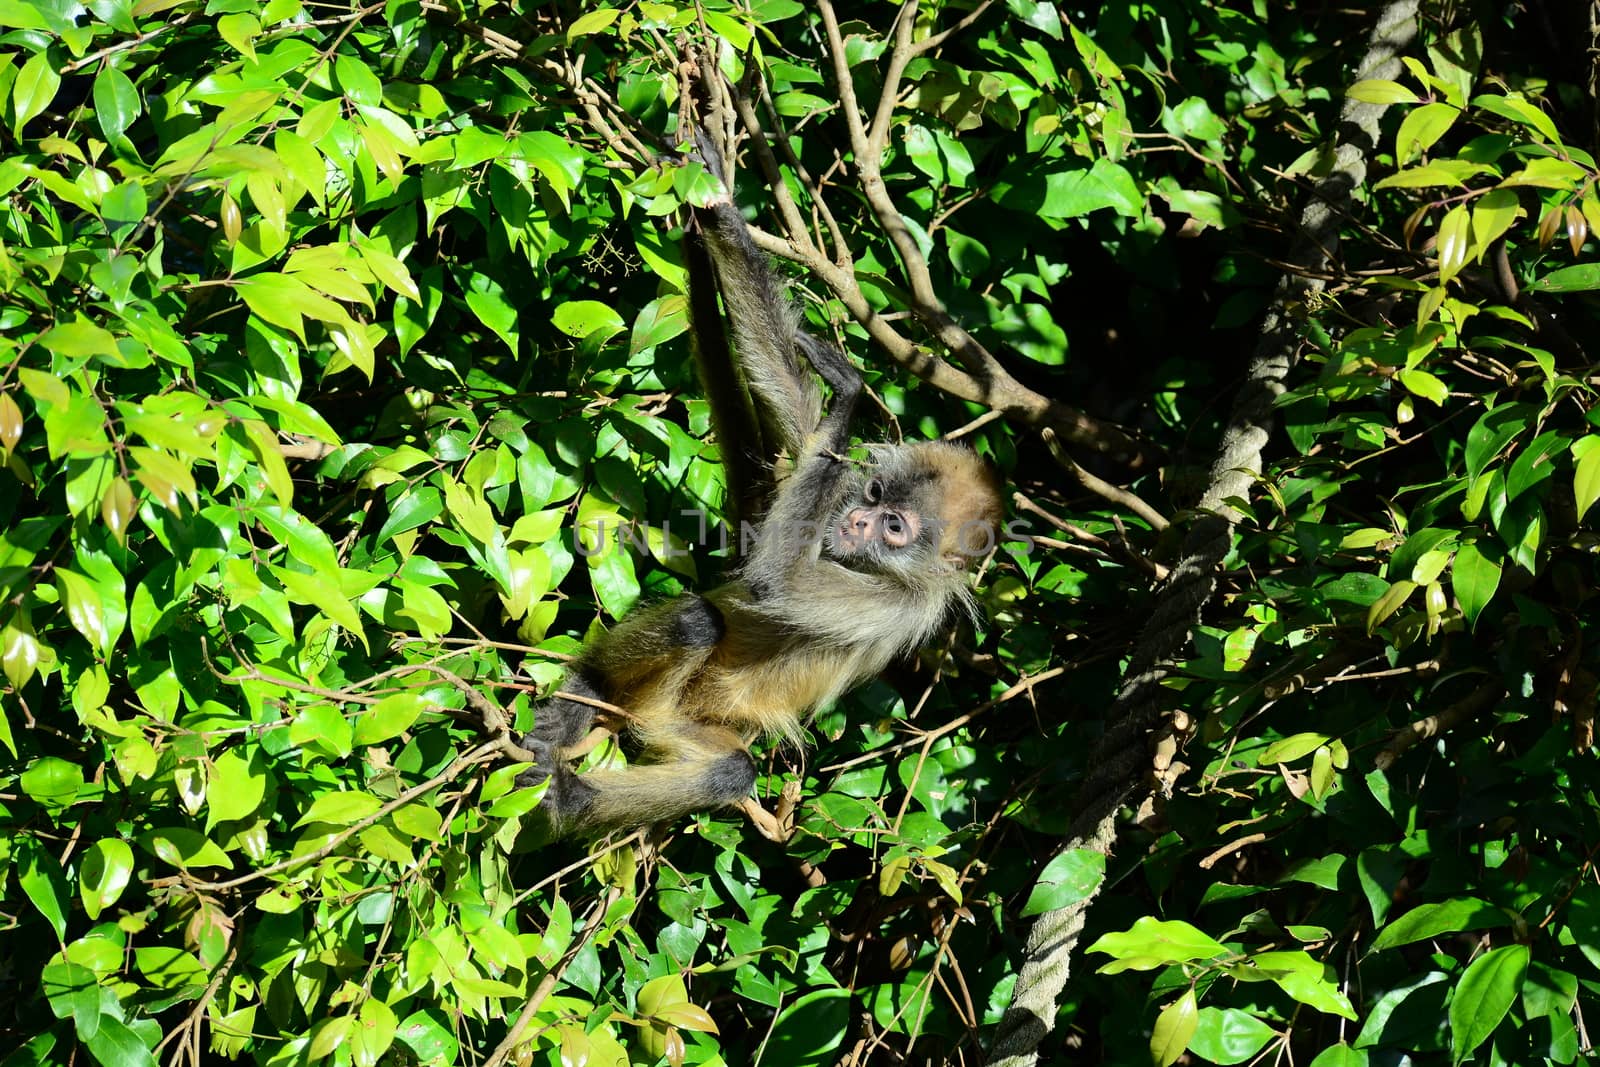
x,y
879,526
917,508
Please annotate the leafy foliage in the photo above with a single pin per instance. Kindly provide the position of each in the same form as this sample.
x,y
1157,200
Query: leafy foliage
x,y
344,386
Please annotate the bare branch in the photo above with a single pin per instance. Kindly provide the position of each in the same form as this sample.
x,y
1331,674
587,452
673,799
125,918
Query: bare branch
x,y
1100,487
930,43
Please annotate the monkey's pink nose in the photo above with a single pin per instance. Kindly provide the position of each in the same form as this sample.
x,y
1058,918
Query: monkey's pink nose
x,y
879,524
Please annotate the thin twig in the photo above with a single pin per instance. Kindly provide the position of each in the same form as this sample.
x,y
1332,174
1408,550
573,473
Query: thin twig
x,y
547,984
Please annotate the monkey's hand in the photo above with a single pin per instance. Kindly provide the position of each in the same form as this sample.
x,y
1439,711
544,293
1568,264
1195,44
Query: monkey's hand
x,y
705,153
546,760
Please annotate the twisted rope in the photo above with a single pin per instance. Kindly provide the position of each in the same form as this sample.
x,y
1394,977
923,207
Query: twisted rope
x,y
1120,761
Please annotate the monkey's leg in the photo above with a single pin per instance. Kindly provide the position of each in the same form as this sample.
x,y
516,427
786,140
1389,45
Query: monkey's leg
x,y
639,653
693,767
626,656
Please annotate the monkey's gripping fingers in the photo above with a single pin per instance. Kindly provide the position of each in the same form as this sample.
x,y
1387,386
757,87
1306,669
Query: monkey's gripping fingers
x,y
545,761
840,374
705,151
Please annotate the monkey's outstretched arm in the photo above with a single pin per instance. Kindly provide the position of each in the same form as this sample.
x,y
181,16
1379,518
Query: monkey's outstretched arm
x,y
762,321
769,344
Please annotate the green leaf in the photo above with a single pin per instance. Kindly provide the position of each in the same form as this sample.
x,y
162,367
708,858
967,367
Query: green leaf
x,y
1492,215
471,512
1547,991
375,1031
307,544
1581,277
390,716
1421,383
1039,14
428,1036
389,270
33,90
615,581
1193,117
184,848
20,650
1455,243
1074,193
322,729
115,1044
1174,1027
1439,172
587,318
1069,877
168,967
1389,602
1291,748
1302,977
1151,943
1379,91
103,873
116,103
488,302
1422,127
43,882
1514,107
1474,577
278,299
416,508
1487,989
1430,920
84,609
659,321
304,164
559,161
807,1032
1493,431
53,782
357,81
240,30
592,22
340,808
1547,173
238,785
326,597
1228,1035
81,338
1322,871
1586,473
1535,463
1341,1055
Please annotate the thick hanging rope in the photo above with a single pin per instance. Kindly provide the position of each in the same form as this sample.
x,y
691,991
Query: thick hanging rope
x,y
1121,761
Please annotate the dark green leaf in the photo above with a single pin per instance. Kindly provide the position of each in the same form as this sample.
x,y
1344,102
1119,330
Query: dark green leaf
x,y
1485,993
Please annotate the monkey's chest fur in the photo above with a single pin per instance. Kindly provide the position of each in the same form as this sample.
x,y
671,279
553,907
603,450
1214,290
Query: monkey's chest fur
x,y
733,662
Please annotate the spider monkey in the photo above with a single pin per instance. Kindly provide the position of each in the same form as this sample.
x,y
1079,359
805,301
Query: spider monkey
x,y
851,565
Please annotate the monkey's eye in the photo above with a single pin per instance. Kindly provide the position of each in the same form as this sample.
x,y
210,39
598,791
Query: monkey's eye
x,y
874,491
896,531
